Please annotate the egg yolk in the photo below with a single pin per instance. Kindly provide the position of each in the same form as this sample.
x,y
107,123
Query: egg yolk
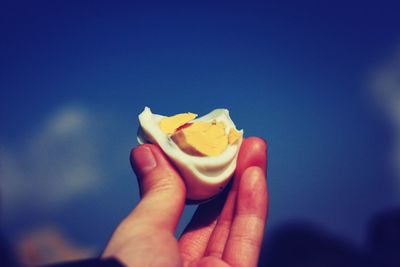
x,y
169,124
198,138
233,136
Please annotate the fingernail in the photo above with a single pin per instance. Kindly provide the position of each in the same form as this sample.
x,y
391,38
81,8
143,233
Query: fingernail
x,y
144,160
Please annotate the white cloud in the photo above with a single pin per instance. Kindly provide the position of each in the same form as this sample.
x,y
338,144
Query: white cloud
x,y
386,90
56,162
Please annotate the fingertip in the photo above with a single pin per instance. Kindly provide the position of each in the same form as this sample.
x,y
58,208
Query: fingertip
x,y
253,152
157,152
156,149
256,143
143,160
136,151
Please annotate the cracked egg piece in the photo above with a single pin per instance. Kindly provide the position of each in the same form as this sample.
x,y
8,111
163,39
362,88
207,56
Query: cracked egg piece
x,y
204,150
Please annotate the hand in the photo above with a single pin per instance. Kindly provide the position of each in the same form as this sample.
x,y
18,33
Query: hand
x,y
226,231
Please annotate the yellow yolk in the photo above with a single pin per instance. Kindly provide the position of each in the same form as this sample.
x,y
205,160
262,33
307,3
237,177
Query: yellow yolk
x,y
233,136
202,138
169,124
198,138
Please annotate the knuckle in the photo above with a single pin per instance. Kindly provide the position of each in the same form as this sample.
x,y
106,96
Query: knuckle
x,y
246,240
163,181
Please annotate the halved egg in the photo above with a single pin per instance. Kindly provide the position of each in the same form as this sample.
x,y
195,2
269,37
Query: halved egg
x,y
204,150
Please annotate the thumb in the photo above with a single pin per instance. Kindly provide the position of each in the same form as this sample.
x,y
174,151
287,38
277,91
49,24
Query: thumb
x,y
162,189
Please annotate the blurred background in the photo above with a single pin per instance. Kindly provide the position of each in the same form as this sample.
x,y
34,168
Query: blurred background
x,y
319,80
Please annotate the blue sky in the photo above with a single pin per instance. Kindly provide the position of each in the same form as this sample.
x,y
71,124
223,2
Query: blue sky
x,y
74,75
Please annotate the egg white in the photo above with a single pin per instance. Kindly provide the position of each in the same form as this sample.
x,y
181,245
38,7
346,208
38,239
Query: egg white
x,y
204,176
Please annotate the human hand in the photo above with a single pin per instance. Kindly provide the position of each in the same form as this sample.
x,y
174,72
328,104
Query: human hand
x,y
226,231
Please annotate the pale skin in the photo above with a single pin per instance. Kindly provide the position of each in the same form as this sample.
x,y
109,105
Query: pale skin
x,y
226,231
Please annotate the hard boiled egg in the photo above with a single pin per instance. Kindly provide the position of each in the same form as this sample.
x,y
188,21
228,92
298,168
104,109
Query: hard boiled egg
x,y
204,150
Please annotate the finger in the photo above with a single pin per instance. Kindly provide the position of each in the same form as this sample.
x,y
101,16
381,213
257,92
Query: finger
x,y
194,238
162,189
245,237
210,262
252,153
